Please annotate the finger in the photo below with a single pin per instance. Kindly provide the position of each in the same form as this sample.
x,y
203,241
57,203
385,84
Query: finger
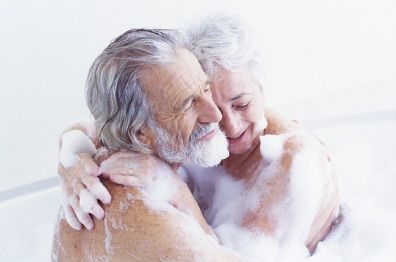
x,y
100,192
90,205
130,181
119,159
126,155
82,216
106,172
95,186
66,190
77,187
130,171
89,166
89,181
71,217
61,170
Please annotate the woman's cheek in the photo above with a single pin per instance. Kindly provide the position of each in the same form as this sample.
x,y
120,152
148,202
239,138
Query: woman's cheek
x,y
256,111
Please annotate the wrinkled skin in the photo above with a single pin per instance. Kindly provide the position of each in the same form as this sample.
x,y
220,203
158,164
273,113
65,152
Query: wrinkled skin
x,y
161,227
244,119
185,102
241,103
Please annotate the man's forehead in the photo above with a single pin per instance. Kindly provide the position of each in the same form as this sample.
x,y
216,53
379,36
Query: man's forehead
x,y
185,71
169,86
176,77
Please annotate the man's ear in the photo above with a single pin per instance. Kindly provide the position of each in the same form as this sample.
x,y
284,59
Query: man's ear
x,y
146,136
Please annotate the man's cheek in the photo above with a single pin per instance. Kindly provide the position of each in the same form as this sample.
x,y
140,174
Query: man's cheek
x,y
184,132
177,127
170,121
186,126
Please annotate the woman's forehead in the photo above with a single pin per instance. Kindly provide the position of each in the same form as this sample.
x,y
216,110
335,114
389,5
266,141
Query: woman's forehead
x,y
231,83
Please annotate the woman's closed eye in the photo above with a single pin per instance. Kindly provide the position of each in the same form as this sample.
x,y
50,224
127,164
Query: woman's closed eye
x,y
241,106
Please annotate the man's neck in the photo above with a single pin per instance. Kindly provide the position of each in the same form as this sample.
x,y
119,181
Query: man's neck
x,y
175,166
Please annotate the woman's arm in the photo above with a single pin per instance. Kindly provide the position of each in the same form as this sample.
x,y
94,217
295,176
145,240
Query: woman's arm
x,y
78,174
304,177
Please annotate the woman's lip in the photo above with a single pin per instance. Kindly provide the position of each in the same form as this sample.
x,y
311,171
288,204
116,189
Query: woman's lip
x,y
232,141
209,135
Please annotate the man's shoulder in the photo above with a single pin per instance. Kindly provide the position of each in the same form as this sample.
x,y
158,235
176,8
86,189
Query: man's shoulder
x,y
132,199
150,227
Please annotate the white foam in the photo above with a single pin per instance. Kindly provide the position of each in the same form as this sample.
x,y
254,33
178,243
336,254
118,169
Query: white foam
x,y
162,186
224,202
252,246
74,142
117,223
271,147
305,191
108,237
341,243
124,204
261,124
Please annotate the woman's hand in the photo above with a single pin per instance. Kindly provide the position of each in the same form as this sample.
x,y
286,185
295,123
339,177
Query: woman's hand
x,y
82,190
131,169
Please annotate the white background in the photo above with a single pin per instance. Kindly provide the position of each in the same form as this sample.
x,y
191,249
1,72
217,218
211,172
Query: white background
x,y
311,48
331,64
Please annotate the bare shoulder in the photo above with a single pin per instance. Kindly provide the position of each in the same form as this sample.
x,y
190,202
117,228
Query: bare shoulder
x,y
139,226
279,124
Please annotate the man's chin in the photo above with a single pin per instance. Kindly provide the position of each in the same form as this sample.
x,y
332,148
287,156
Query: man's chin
x,y
211,152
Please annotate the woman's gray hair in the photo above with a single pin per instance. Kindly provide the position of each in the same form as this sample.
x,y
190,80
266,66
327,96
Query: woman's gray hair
x,y
114,94
225,40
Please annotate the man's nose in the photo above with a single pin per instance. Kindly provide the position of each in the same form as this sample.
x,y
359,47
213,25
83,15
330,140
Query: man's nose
x,y
209,111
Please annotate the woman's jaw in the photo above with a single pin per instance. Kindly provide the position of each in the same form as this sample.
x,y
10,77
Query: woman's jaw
x,y
247,139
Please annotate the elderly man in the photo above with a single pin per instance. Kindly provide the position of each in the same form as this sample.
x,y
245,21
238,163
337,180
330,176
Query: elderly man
x,y
247,198
139,90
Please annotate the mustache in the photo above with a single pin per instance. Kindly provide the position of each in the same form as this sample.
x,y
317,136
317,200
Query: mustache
x,y
201,130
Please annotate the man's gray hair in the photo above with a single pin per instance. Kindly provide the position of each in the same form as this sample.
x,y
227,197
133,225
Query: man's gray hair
x,y
225,40
114,94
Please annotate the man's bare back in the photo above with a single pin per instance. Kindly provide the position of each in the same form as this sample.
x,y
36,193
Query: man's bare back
x,y
159,222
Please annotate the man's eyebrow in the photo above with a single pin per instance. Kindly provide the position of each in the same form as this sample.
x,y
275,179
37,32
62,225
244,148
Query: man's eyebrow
x,y
239,96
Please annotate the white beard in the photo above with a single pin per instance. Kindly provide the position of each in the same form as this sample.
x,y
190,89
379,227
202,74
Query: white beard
x,y
203,153
209,153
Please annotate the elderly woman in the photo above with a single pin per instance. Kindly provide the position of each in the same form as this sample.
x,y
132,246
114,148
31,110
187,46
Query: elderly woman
x,y
277,190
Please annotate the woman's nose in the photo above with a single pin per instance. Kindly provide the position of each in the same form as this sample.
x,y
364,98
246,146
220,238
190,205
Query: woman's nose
x,y
230,124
